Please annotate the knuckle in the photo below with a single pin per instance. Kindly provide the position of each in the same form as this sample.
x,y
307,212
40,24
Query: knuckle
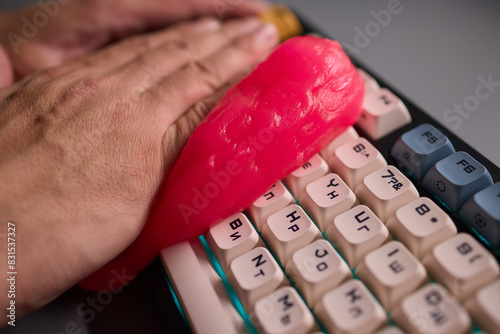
x,y
185,48
141,59
84,88
205,72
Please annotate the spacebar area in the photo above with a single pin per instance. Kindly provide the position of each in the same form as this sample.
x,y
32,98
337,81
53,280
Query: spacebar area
x,y
200,290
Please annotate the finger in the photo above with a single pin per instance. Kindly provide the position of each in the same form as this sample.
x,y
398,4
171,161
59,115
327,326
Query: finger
x,y
201,78
155,14
118,54
148,69
226,8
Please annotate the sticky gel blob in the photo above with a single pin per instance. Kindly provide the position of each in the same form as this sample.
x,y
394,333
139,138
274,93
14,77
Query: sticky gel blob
x,y
266,126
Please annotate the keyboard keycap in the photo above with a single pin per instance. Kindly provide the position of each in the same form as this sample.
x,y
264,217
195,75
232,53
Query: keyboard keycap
x,y
385,191
283,311
312,170
232,237
326,198
275,199
317,269
461,264
383,112
254,275
350,309
482,212
289,230
371,85
456,178
421,225
355,159
432,310
199,289
390,330
484,307
357,232
391,272
346,136
420,148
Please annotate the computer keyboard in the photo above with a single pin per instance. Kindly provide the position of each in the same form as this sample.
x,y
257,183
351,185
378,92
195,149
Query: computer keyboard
x,y
393,227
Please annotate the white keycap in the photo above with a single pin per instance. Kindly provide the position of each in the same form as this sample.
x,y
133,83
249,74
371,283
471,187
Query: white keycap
x,y
390,330
391,272
484,307
350,308
346,136
357,232
312,170
316,269
385,191
289,230
199,289
254,275
431,310
371,85
284,312
232,237
354,160
461,264
421,225
383,112
275,199
326,198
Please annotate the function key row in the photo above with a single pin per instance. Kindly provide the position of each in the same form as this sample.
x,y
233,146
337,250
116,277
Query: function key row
x,y
457,179
463,184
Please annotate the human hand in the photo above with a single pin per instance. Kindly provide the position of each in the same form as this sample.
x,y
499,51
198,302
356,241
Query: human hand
x,y
39,37
85,146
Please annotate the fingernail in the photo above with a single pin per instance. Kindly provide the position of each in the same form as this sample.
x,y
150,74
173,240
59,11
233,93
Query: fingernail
x,y
208,24
267,34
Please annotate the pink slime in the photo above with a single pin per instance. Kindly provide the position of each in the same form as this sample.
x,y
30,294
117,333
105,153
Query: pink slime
x,y
294,103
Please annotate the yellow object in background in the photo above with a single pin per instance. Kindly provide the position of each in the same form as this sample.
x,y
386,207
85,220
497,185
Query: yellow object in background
x,y
284,19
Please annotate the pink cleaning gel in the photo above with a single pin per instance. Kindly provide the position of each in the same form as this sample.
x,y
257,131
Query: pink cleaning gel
x,y
294,103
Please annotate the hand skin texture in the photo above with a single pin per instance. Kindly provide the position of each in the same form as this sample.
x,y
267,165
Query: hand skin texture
x,y
85,145
77,27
